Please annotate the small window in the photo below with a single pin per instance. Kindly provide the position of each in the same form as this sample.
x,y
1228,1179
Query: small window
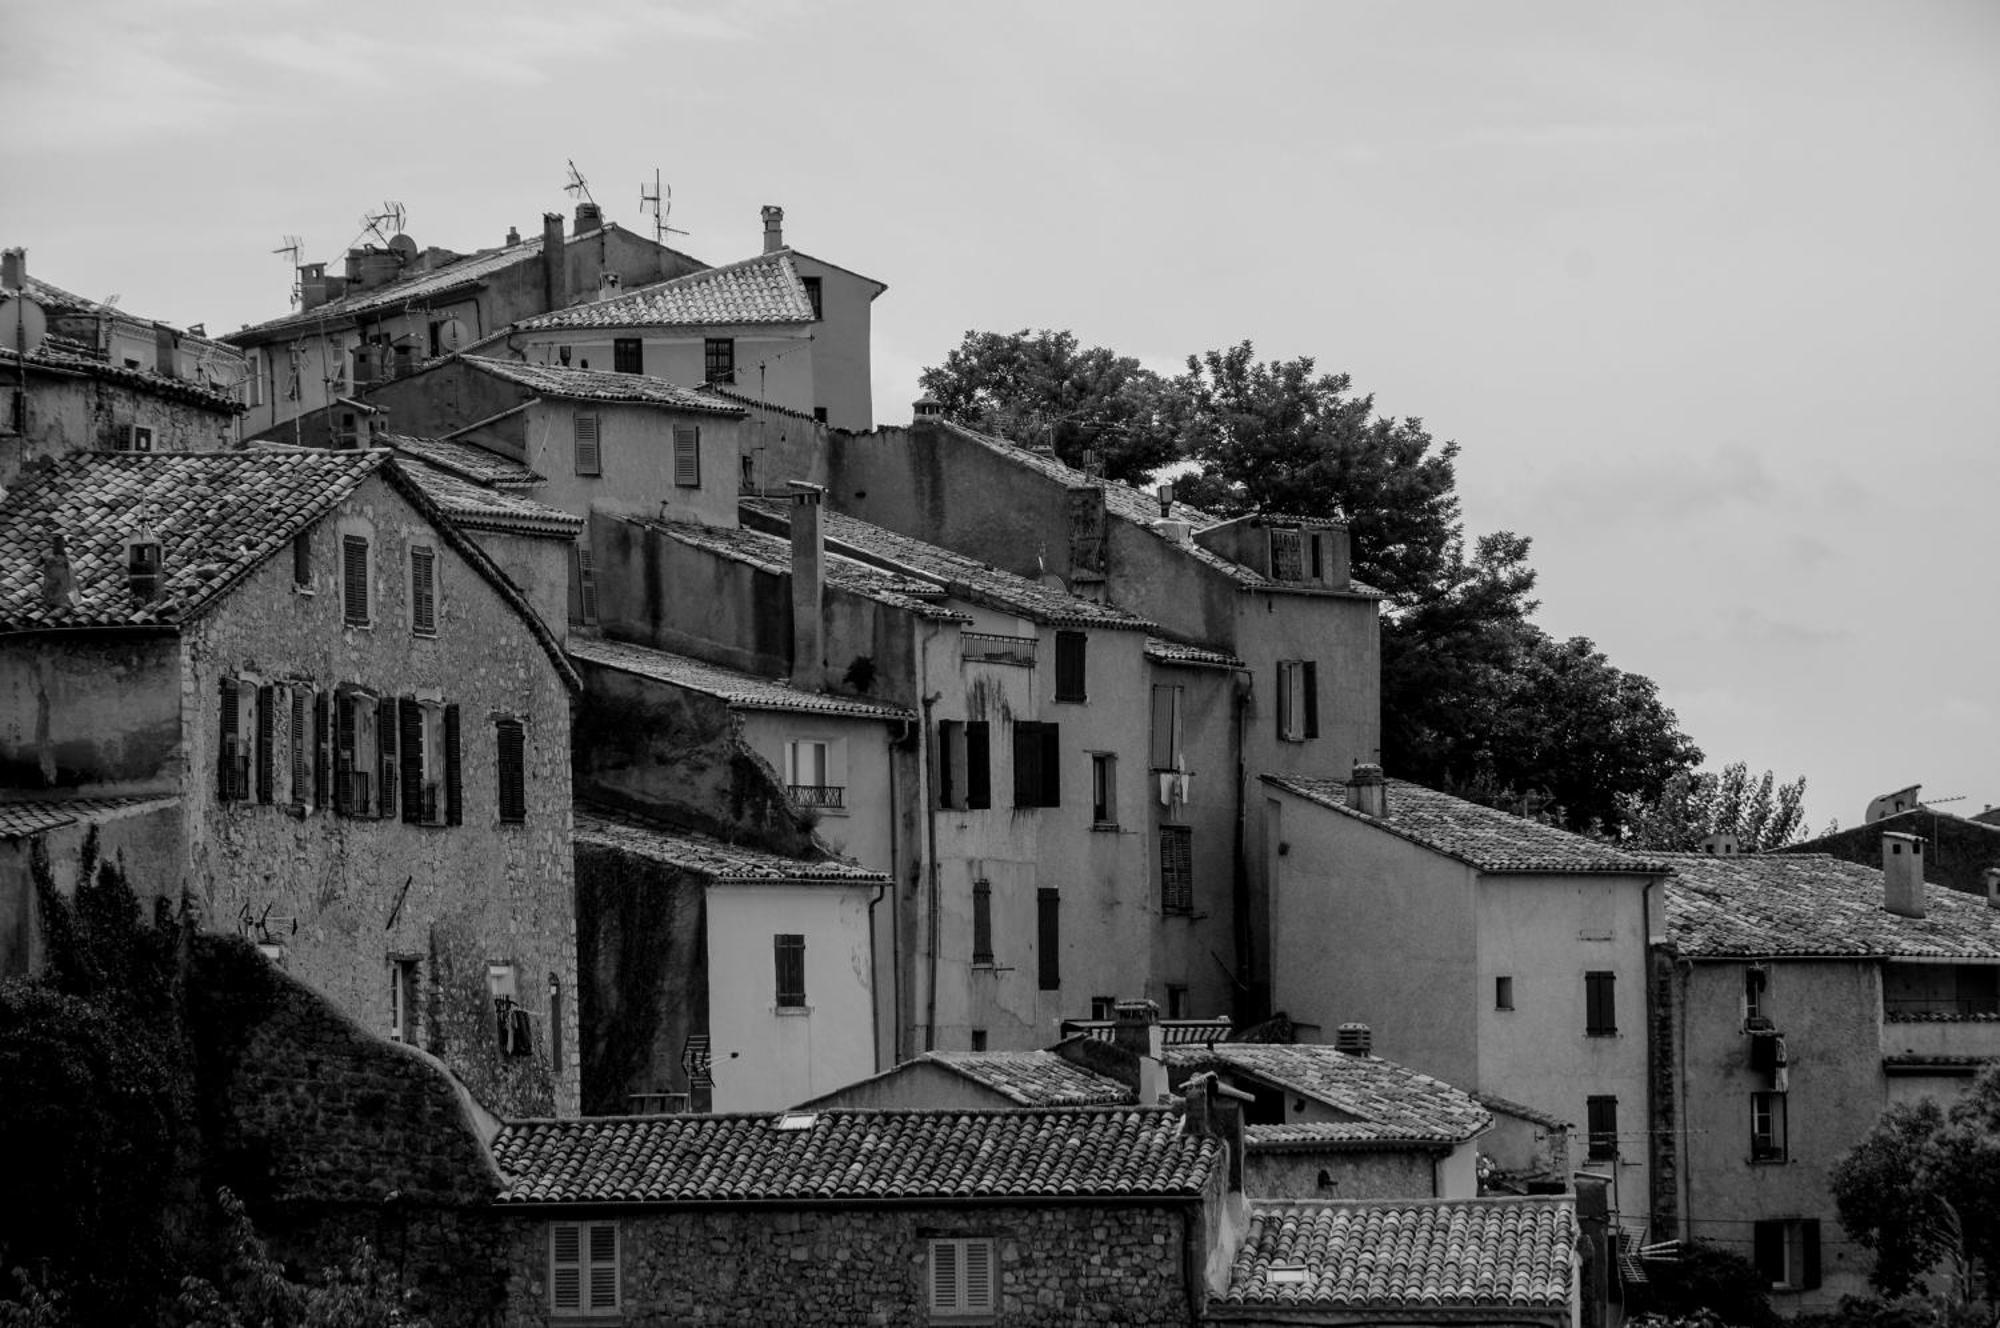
x,y
583,1267
423,591
1600,1016
813,295
1103,789
1768,1142
1754,982
582,588
298,731
1037,764
962,1278
1316,556
1069,666
790,950
354,579
1104,1007
687,456
1166,745
403,1001
979,1039
819,414
1601,1122
1177,1000
589,455
718,360
302,563
428,738
1048,939
978,764
267,747
1298,700
1786,1251
982,922
1503,993
510,741
1176,869
236,741
628,355
1287,556
810,777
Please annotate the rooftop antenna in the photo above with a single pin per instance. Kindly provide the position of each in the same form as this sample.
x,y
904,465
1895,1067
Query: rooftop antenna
x,y
383,224
291,249
661,201
578,186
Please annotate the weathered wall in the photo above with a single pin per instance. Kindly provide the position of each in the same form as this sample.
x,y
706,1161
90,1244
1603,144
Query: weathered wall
x,y
1295,1173
67,414
539,566
678,355
147,838
1058,1264
917,1085
859,760
636,456
450,395
1200,950
842,377
91,712
1957,851
365,891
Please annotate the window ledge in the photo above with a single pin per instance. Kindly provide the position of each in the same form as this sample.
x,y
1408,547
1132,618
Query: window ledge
x,y
1105,827
791,1011
307,591
1602,1034
422,635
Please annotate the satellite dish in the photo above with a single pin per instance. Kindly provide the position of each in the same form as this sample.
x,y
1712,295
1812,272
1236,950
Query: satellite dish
x,y
452,335
403,245
23,325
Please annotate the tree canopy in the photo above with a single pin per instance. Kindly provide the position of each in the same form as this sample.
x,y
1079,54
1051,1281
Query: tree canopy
x,y
1762,813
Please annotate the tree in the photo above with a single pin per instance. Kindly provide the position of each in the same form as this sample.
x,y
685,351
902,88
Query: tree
x,y
1762,813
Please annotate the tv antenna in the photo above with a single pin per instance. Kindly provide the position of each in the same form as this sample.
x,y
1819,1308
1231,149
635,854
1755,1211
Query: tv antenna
x,y
577,187
391,216
291,249
661,201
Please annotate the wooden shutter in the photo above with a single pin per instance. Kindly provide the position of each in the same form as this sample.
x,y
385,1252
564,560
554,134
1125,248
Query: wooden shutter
x,y
454,804
1166,726
628,355
410,755
587,586
589,457
388,761
790,953
603,1251
1086,532
1768,1250
343,754
976,1277
566,1266
1176,869
1070,647
511,743
948,750
1027,764
302,559
267,726
944,1276
1051,745
301,747
1287,556
1284,691
1310,685
354,578
1048,939
1600,1010
423,591
322,750
978,764
687,456
1809,1270
982,922
227,741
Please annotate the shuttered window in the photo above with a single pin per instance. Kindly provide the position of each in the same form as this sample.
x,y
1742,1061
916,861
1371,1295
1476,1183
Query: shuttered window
x,y
1176,869
388,757
323,751
410,744
583,1267
687,456
267,723
511,742
1037,764
1786,1252
1298,700
354,579
454,796
1069,666
423,591
982,922
582,588
300,736
345,727
790,952
978,764
1166,745
231,783
962,1277
628,355
1601,1123
1600,1014
302,566
1048,939
589,461
1287,556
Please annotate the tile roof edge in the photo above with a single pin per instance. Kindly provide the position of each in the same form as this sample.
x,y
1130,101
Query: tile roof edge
x,y
936,612
879,284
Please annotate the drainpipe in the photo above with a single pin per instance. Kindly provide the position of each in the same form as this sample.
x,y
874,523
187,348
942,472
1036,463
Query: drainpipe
x,y
1245,973
930,846
874,966
895,935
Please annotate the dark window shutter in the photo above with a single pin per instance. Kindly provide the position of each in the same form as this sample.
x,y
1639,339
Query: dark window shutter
x,y
946,752
1027,765
1048,939
978,764
343,754
302,559
1312,698
1166,710
1286,555
410,731
388,763
1809,1253
587,586
1070,648
1284,706
1051,744
423,591
687,456
575,586
454,803
982,922
322,751
1318,562
1768,1250
628,355
267,731
225,751
301,752
1600,1008
511,741
1176,869
790,952
589,450
354,578
555,1023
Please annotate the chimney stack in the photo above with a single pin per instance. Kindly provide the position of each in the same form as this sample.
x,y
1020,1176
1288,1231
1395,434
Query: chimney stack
x,y
513,236
1721,845
774,228
165,344
13,269
58,579
1214,1110
1354,1039
555,266
1368,791
589,217
927,407
1903,874
1137,1032
808,583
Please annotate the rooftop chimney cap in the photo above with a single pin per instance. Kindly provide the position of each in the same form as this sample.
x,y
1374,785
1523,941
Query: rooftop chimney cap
x,y
926,406
1354,1039
774,228
14,268
1367,772
1136,1012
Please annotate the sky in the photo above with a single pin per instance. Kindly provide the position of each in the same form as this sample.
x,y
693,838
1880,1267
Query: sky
x,y
1708,293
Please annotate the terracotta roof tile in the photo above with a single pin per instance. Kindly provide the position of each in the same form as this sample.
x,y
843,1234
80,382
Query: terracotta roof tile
x,y
1162,651
855,1156
712,857
20,819
1033,1078
464,460
1499,1253
1812,904
1376,1092
764,289
567,384
74,359
478,507
742,691
772,553
1483,837
1343,1136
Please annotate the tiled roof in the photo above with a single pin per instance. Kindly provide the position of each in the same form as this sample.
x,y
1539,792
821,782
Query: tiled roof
x,y
854,1156
477,507
70,360
1033,1078
1368,1088
1162,651
743,691
464,460
764,289
217,516
711,857
1426,1256
957,575
1482,837
1507,1107
773,553
1811,904
1344,1136
567,384
21,819
1173,1032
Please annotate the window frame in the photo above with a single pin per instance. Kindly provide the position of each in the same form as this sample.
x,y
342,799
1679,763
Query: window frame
x,y
1072,666
1600,1113
586,1263
1292,540
1786,1250
628,355
958,1302
1176,847
718,360
815,295
302,563
1048,939
982,923
1037,764
788,950
1503,991
1770,1127
1104,790
1298,700
1600,1003
404,1006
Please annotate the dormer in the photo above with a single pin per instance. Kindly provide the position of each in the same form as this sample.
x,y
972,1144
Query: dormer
x,y
1308,552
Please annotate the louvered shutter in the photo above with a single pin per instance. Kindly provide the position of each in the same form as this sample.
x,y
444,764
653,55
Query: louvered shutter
x,y
1284,692
267,723
976,1277
566,1266
343,754
1287,556
322,750
301,748
944,1276
388,762
1311,687
687,456
603,1266
589,457
423,591
410,732
1070,666
1176,869
512,743
225,755
454,806
587,581
354,578
978,764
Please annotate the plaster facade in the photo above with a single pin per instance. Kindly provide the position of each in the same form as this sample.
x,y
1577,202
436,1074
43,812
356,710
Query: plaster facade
x,y
78,410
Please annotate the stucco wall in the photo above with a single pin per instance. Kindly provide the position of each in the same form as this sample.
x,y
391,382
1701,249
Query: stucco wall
x,y
1288,1173
363,890
678,355
539,566
842,376
91,712
78,414
1200,949
916,1086
636,456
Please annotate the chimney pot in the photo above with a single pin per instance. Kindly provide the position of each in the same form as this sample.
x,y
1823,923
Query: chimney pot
x,y
1368,790
774,228
13,269
513,235
1903,875
1354,1039
927,407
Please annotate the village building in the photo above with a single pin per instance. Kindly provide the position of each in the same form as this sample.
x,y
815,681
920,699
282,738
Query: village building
x,y
79,375
1796,996
1959,850
347,729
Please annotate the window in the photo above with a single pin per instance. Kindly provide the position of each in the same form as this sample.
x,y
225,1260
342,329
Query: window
x,y
962,1278
423,591
963,778
1037,779
1048,939
1287,555
1176,869
583,1267
978,764
1177,1000
1601,1122
982,922
589,455
1104,1007
810,775
687,456
237,741
1767,1128
267,726
403,1001
555,1023
1316,554
1166,727
718,360
428,734
1503,993
819,414
354,579
1069,666
628,355
510,741
1754,980
302,562
1298,700
298,731
1786,1251
253,380
813,296
1103,789
582,588
1600,1014
790,950
979,1039
365,770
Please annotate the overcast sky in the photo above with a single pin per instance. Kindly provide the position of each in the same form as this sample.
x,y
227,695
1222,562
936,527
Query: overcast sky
x,y
1707,293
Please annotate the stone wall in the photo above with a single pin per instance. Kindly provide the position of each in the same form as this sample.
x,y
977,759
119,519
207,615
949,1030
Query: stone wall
x,y
1290,1173
1056,1264
66,415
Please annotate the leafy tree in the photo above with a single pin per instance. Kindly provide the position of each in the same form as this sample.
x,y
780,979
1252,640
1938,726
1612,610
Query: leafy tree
x,y
1762,813
1709,1284
361,1293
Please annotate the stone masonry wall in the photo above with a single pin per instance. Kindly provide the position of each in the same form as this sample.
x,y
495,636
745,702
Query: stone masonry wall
x,y
1056,1264
1294,1174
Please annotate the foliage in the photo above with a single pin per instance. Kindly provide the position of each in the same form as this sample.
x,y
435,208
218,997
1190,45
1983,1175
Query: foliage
x,y
1907,1312
1707,1284
1922,1188
361,1293
1762,813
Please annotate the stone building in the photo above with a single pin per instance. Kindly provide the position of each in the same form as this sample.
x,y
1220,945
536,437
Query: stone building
x,y
362,726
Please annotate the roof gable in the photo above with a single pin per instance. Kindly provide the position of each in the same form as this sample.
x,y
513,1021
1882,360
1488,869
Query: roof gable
x,y
566,384
1378,1092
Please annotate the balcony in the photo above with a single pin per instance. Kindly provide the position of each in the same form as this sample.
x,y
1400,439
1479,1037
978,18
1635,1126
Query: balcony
x,y
994,648
827,796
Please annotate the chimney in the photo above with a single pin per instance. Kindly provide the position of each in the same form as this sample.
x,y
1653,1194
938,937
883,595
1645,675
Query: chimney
x,y
589,217
774,228
143,571
1368,791
164,345
1215,1111
1137,1033
1354,1039
1721,845
555,268
1903,874
513,236
1993,887
58,580
13,269
312,286
927,407
808,582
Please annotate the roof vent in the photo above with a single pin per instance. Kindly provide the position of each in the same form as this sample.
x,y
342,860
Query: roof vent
x,y
1165,493
1903,875
1368,790
796,1120
1354,1039
1287,1274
